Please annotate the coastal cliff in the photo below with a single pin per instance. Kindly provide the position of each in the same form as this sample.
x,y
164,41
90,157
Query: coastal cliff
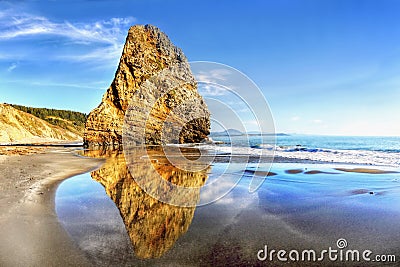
x,y
17,126
147,53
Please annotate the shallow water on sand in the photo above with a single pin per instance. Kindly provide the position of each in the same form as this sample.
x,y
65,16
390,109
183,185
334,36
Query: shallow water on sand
x,y
308,210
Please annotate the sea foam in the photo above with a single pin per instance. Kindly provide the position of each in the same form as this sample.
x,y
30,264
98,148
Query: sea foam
x,y
363,157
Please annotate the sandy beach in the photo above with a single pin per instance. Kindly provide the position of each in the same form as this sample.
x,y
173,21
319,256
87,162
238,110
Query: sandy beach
x,y
299,206
30,233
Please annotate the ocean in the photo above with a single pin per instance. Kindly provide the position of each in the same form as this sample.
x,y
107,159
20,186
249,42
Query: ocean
x,y
381,151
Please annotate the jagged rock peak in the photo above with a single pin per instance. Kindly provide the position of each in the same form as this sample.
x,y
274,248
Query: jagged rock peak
x,y
147,52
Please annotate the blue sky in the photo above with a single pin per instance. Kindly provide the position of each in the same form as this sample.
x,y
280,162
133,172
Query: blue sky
x,y
325,67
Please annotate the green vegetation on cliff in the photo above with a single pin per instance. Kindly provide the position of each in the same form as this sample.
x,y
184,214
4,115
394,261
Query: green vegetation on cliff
x,y
70,120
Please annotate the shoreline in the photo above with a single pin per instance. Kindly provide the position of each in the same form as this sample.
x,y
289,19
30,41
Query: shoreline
x,y
289,160
306,207
29,228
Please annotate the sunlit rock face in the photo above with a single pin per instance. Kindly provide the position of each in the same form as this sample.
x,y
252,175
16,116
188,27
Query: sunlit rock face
x,y
153,226
147,52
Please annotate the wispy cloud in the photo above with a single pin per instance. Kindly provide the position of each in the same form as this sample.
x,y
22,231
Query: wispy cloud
x,y
252,122
211,90
295,118
212,75
105,36
71,85
317,121
108,54
96,85
12,67
106,31
6,55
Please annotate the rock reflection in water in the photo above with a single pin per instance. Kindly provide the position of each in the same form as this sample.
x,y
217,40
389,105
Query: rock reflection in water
x,y
153,226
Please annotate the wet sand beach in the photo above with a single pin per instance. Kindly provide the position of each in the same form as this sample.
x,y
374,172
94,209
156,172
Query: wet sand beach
x,y
311,209
48,220
30,233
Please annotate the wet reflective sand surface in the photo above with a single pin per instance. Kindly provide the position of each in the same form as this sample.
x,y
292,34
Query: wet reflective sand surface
x,y
115,222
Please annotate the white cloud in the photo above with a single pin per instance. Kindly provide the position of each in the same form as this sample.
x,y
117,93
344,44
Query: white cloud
x,y
295,118
107,31
2,14
12,67
108,53
212,76
211,90
252,122
72,85
105,37
245,110
96,85
317,121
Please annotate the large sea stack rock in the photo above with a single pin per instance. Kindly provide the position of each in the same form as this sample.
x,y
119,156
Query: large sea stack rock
x,y
148,52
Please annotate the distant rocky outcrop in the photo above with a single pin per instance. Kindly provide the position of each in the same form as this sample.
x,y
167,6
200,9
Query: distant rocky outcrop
x,y
229,132
169,109
234,132
20,127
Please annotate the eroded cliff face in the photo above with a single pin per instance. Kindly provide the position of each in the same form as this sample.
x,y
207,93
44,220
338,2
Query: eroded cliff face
x,y
138,88
17,126
152,226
